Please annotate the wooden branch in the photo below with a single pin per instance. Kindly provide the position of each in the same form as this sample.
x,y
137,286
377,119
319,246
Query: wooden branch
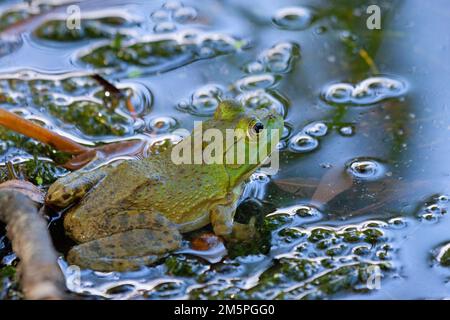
x,y
18,124
82,155
40,275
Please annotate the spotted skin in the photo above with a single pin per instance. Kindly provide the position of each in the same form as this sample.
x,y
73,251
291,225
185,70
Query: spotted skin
x,y
70,188
128,250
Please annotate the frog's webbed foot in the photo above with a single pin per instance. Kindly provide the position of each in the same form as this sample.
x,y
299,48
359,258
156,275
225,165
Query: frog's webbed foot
x,y
74,186
127,250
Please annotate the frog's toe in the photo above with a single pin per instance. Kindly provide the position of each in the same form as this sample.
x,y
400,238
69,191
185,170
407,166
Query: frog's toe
x,y
124,251
242,232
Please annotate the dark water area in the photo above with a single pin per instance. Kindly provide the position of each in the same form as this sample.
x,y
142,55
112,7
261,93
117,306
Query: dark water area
x,y
358,209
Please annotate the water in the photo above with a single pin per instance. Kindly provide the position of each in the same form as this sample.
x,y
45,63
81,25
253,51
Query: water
x,y
362,193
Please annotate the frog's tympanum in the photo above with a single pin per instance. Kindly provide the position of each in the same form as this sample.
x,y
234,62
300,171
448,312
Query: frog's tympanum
x,y
131,214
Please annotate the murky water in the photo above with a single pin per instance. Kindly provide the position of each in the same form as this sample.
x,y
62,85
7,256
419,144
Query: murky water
x,y
359,206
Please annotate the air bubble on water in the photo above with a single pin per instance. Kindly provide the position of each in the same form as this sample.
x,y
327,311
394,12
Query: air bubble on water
x,y
172,5
164,27
280,57
338,93
366,169
161,124
185,14
303,143
204,101
260,81
434,208
316,129
293,18
160,15
368,91
398,223
218,42
347,131
261,99
306,211
254,67
140,96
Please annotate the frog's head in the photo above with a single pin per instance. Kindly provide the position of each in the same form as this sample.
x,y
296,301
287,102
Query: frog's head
x,y
250,136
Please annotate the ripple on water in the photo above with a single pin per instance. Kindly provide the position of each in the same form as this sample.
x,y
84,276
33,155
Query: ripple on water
x,y
434,208
369,91
293,18
258,81
316,129
204,101
302,143
161,124
185,14
262,99
347,130
164,27
366,169
280,57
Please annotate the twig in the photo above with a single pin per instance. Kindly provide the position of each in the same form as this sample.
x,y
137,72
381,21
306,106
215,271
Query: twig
x,y
81,154
108,86
40,275
18,124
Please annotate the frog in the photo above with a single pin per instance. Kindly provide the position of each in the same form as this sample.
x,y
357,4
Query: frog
x,y
128,215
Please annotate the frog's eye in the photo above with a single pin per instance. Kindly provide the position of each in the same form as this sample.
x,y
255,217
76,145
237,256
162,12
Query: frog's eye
x,y
255,128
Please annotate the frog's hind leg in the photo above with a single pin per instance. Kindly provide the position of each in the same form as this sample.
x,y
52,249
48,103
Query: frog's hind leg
x,y
126,250
74,186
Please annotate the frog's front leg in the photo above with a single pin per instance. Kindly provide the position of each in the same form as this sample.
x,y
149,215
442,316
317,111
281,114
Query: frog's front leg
x,y
128,250
222,220
74,186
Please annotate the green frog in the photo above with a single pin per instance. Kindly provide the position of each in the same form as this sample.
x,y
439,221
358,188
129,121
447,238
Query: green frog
x,y
131,214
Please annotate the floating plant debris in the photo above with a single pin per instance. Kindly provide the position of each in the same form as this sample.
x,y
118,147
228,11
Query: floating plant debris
x,y
160,52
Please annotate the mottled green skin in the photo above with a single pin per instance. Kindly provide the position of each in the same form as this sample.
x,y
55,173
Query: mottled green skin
x,y
131,214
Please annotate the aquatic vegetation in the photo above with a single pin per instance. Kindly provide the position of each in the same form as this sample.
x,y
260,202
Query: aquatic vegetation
x,y
77,101
8,285
108,27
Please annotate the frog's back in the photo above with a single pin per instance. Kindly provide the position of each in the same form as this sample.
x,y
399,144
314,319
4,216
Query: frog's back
x,y
185,191
180,192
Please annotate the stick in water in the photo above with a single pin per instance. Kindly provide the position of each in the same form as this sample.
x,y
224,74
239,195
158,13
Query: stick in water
x,y
40,274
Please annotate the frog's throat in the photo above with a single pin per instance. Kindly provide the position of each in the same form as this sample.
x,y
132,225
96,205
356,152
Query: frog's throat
x,y
200,222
